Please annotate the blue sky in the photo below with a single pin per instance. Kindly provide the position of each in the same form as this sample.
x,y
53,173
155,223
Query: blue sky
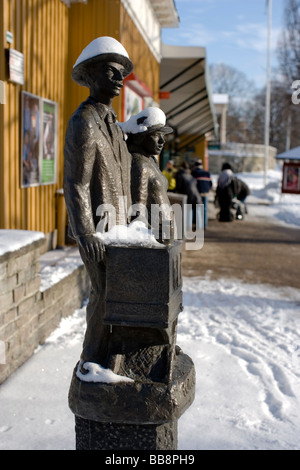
x,y
233,32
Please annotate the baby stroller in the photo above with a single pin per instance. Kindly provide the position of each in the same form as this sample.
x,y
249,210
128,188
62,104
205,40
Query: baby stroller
x,y
238,207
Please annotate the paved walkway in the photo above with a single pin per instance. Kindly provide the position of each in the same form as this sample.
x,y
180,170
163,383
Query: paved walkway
x,y
254,250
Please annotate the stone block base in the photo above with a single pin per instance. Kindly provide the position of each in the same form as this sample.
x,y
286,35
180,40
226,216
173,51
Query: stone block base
x,y
139,402
92,435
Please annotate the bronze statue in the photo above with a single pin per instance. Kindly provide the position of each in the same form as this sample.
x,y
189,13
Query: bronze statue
x,y
97,172
145,134
136,292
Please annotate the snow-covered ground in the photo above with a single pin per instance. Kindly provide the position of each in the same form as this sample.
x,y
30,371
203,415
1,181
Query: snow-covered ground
x,y
245,343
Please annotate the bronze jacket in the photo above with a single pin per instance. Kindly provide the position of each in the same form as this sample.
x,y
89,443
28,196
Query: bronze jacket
x,y
96,169
149,185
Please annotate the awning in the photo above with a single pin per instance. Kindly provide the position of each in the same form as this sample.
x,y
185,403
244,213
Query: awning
x,y
189,108
293,154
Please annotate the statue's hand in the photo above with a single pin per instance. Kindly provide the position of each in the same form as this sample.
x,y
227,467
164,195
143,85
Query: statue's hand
x,y
92,247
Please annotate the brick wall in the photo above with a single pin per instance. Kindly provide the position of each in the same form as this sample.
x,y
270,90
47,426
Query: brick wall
x,y
28,314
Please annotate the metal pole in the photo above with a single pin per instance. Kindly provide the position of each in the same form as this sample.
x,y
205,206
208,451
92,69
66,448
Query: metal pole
x,y
268,95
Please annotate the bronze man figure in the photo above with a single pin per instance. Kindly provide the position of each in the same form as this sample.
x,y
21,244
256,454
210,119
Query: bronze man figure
x,y
97,172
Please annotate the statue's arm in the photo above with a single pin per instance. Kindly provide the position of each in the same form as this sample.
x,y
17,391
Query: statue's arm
x,y
139,183
139,190
80,151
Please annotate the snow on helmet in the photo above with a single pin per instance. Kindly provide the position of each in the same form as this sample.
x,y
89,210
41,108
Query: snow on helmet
x,y
148,120
102,49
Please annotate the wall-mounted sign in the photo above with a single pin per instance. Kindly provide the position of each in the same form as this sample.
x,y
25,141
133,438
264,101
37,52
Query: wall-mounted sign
x,y
15,66
9,37
2,92
291,178
39,141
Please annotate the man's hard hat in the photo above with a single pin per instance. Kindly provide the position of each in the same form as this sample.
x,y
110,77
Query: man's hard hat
x,y
103,49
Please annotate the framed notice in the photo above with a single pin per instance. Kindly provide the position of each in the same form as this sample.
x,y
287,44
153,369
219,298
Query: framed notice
x,y
49,143
39,141
291,178
15,66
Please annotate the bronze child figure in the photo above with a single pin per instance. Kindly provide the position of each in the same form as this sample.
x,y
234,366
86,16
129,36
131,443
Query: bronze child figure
x,y
145,134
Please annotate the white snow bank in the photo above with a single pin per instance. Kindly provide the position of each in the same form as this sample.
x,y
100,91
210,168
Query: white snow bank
x,y
57,264
284,208
12,240
134,234
97,373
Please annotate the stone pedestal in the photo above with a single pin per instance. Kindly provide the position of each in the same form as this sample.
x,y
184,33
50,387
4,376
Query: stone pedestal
x,y
91,435
143,300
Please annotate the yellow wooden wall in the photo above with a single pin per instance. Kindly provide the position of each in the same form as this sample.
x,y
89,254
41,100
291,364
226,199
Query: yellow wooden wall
x,y
40,29
108,18
146,67
86,23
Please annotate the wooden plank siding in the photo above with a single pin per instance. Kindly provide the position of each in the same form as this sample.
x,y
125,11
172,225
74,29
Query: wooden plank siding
x,y
108,18
146,67
40,29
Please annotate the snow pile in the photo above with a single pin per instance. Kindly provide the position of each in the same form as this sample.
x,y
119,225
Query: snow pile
x,y
12,240
53,268
141,122
134,234
245,342
99,46
284,208
97,373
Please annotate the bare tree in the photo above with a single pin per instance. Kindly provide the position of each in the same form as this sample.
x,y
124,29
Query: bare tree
x,y
284,119
288,49
288,52
234,83
229,80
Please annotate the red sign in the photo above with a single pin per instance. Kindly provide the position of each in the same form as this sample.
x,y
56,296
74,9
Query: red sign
x,y
291,178
164,95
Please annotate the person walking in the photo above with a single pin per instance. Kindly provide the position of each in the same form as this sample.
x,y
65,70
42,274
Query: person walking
x,y
204,185
170,173
186,184
225,192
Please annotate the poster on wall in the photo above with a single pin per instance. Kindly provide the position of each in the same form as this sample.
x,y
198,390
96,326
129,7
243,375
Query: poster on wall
x,y
48,167
291,178
39,141
30,140
133,103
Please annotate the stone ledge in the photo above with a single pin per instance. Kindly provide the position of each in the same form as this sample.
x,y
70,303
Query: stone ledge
x,y
28,246
28,313
140,402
